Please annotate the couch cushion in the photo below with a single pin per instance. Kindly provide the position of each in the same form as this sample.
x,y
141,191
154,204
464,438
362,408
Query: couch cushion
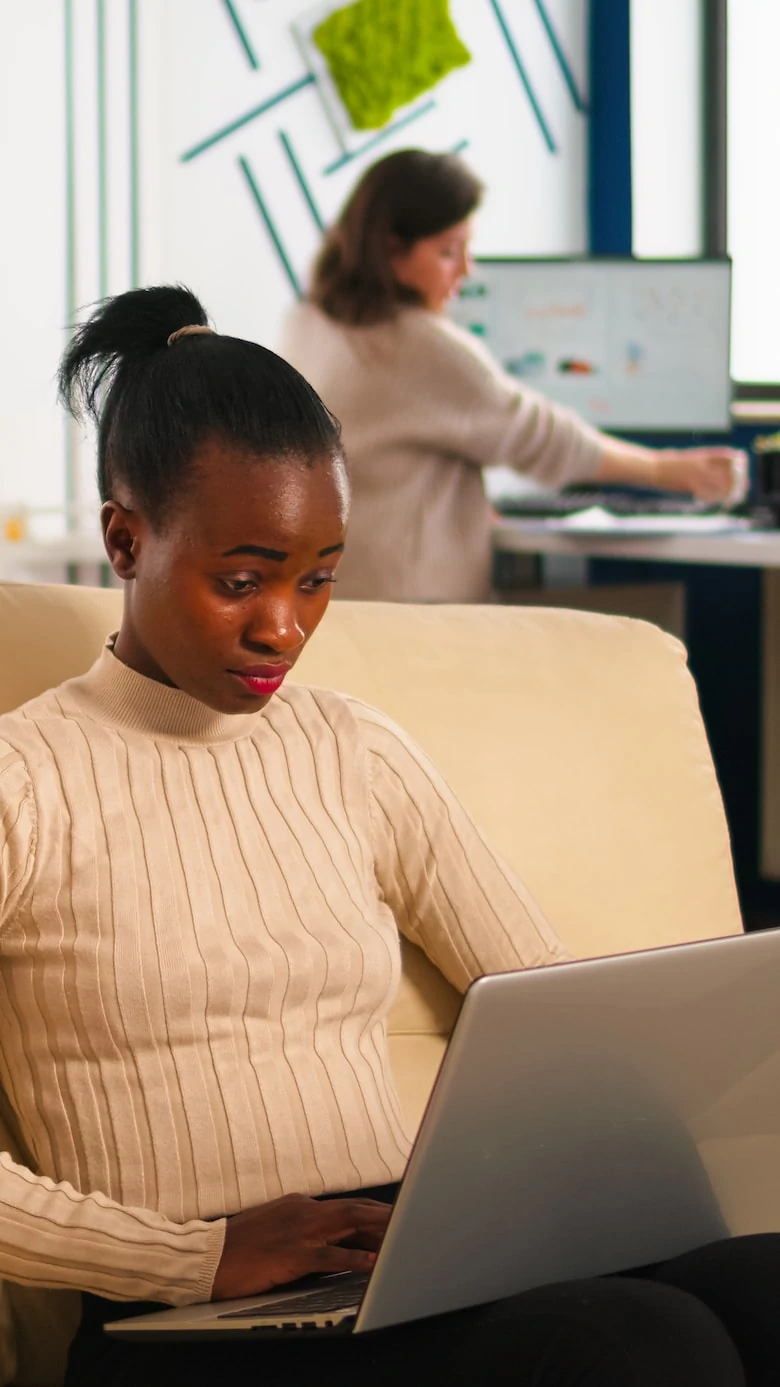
x,y
576,742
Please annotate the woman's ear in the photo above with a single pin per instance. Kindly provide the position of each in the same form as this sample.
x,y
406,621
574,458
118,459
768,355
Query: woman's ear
x,y
398,252
120,526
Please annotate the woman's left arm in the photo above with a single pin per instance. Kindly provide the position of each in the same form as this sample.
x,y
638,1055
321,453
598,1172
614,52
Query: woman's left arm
x,y
449,892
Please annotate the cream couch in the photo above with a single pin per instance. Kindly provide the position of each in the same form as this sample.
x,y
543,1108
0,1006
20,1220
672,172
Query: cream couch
x,y
575,740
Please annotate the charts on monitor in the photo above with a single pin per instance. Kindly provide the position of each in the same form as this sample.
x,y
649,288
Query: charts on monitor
x,y
629,344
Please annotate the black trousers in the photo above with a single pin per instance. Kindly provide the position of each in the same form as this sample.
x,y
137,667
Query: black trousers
x,y
710,1318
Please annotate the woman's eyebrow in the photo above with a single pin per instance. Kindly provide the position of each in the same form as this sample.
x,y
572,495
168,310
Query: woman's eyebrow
x,y
259,551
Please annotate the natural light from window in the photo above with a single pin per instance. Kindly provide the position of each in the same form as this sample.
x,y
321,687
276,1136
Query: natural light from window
x,y
754,188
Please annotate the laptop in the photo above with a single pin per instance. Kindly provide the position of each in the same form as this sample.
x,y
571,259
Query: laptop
x,y
587,1118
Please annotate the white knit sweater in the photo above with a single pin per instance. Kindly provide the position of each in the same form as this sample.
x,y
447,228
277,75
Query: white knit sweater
x,y
424,408
199,947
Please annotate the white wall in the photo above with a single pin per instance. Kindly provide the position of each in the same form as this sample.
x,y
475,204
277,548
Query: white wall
x,y
198,221
32,167
210,231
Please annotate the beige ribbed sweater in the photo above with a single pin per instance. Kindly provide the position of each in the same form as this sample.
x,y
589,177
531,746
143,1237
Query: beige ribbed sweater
x,y
424,408
199,946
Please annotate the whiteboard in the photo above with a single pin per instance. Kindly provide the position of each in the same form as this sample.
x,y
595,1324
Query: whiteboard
x,y
629,344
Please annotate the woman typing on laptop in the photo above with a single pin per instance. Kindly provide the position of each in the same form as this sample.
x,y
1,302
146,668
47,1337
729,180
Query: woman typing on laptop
x,y
203,873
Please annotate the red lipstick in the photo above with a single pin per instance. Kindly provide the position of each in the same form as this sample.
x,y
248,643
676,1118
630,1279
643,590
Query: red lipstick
x,y
262,680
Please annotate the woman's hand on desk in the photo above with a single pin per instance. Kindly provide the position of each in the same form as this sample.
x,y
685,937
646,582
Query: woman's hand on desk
x,y
297,1236
709,473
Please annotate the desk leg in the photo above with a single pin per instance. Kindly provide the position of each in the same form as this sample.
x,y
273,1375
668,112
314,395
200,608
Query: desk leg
x,y
514,572
770,725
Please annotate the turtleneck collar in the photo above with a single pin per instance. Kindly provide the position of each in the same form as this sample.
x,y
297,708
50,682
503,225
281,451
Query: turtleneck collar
x,y
120,696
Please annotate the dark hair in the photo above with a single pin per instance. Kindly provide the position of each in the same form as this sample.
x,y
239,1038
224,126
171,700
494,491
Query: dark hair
x,y
409,195
154,405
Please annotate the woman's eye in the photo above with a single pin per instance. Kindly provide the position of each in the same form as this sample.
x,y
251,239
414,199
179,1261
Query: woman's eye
x,y
239,586
318,581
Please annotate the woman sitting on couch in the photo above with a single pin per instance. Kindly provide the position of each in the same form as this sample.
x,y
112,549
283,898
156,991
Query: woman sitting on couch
x,y
203,875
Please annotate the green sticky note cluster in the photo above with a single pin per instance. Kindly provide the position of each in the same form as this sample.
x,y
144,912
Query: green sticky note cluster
x,y
382,54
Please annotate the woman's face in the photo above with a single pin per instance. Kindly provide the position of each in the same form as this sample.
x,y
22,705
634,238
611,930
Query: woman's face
x,y
435,265
221,601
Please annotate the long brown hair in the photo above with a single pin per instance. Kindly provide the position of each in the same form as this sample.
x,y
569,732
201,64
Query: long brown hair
x,y
407,196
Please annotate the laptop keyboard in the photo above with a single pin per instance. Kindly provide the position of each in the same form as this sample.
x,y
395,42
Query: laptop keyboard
x,y
339,1295
533,505
558,505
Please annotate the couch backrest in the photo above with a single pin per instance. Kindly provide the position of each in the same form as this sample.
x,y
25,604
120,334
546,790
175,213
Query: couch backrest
x,y
575,740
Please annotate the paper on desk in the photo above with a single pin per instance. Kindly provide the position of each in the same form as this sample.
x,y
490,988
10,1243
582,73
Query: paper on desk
x,y
597,520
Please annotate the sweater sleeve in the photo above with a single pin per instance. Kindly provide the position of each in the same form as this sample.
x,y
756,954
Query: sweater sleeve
x,y
50,1234
482,416
449,892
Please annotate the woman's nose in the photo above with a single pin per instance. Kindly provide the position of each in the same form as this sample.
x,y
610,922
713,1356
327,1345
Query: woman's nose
x,y
275,624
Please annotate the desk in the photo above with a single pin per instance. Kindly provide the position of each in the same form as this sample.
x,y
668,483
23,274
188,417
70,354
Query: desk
x,y
79,547
746,549
756,549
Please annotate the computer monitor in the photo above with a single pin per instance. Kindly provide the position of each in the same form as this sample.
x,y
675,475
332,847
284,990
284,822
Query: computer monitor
x,y
630,344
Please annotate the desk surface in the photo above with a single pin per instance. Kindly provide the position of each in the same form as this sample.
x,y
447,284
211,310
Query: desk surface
x,y
754,549
78,547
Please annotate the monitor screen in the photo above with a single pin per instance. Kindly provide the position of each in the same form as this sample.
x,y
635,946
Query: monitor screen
x,y
629,344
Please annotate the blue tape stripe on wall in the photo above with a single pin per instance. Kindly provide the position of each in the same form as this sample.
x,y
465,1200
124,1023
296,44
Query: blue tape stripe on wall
x,y
609,197
248,116
241,34
134,82
301,179
580,104
270,225
345,159
522,73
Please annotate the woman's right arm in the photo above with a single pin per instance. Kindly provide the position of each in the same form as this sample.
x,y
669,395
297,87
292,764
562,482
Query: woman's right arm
x,y
486,417
53,1235
50,1234
469,407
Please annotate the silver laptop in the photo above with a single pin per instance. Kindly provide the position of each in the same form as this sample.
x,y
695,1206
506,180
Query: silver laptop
x,y
587,1118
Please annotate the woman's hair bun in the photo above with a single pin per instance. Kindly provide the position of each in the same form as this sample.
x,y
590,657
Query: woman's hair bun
x,y
156,405
131,326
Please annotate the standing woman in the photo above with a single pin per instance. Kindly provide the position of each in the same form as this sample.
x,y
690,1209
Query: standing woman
x,y
424,407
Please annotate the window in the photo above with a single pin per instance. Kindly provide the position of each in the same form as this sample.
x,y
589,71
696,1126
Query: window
x,y
754,188
666,127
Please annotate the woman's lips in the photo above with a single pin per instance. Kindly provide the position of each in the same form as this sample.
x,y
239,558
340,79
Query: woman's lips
x,y
262,680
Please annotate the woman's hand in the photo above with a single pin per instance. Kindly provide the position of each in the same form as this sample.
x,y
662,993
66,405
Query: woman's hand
x,y
296,1236
711,474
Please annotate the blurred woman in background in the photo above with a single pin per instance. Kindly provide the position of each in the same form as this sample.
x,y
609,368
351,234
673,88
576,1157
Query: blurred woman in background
x,y
424,407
